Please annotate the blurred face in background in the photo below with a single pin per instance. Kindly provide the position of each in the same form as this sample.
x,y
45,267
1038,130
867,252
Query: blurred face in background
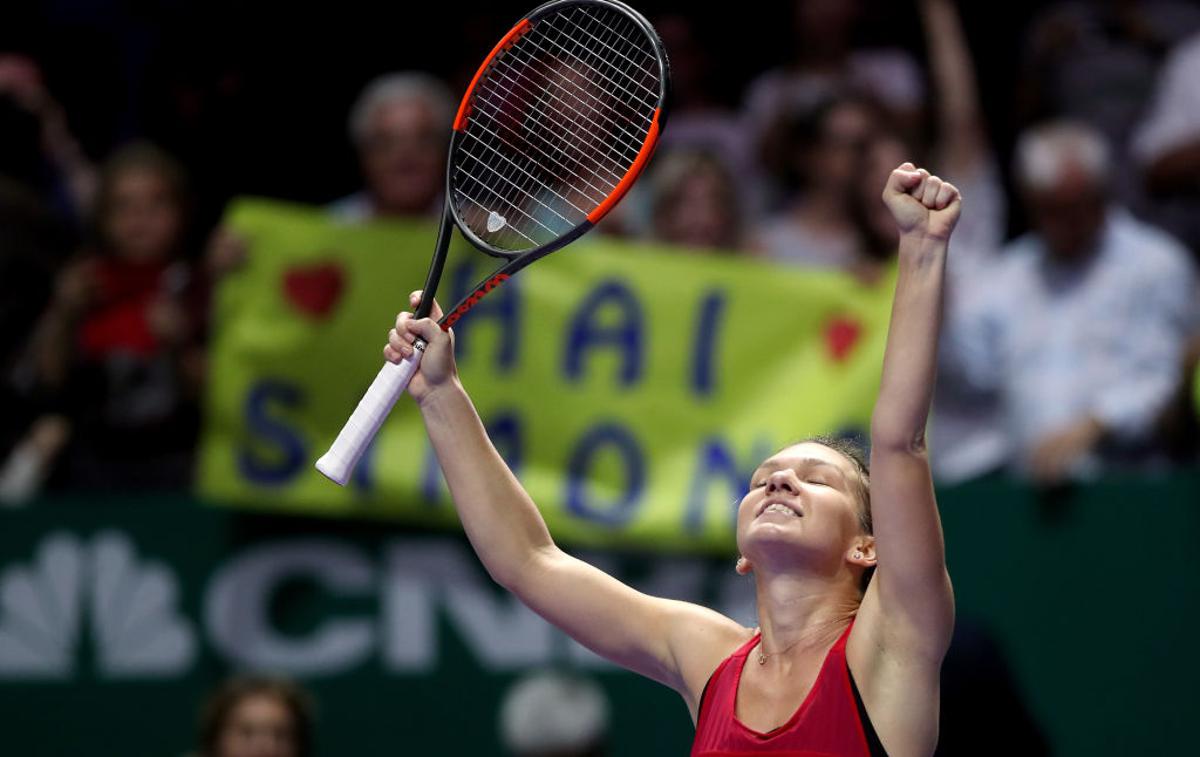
x,y
831,163
1068,214
143,217
700,209
403,152
260,725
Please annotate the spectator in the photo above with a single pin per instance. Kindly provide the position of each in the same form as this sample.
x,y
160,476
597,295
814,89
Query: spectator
x,y
400,126
1081,331
1095,61
1167,145
825,150
256,716
827,64
699,119
116,352
960,150
695,202
551,714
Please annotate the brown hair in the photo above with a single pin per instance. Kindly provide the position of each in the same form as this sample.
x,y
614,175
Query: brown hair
x,y
139,156
215,715
671,173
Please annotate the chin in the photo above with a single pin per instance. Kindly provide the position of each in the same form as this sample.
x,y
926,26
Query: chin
x,y
770,535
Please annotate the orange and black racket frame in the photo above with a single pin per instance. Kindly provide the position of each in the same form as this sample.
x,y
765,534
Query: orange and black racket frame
x,y
518,260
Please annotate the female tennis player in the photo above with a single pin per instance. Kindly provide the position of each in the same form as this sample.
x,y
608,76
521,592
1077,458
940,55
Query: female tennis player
x,y
834,669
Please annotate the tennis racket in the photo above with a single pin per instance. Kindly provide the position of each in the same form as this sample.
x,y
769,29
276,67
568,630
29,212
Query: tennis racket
x,y
555,127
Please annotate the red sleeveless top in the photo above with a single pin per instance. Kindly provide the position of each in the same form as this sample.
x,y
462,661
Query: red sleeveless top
x,y
829,723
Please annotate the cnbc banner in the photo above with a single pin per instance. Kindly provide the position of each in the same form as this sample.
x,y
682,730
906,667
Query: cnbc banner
x,y
632,388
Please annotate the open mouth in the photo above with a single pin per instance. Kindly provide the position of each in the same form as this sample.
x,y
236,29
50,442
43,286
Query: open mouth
x,y
782,508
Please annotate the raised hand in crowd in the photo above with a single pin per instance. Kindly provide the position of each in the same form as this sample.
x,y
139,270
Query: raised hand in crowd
x,y
21,80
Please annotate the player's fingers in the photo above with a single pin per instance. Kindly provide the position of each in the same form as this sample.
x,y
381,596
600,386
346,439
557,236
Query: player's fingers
x,y
401,341
929,192
902,181
945,195
390,355
414,300
401,331
956,195
427,329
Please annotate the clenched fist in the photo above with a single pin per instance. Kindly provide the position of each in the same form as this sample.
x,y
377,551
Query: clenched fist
x,y
922,204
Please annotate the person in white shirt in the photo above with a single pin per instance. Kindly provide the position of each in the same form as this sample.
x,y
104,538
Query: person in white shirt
x,y
400,128
1077,332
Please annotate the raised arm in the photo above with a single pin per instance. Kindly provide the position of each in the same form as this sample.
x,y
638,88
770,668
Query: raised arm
x,y
911,583
962,135
669,641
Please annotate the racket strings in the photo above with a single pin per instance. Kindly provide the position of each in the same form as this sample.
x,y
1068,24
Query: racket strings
x,y
557,120
564,117
581,68
590,183
552,121
586,55
589,105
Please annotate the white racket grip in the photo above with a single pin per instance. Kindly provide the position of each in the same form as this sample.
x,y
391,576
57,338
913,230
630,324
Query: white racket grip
x,y
338,463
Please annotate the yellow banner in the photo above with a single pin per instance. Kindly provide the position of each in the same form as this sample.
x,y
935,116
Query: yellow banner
x,y
633,388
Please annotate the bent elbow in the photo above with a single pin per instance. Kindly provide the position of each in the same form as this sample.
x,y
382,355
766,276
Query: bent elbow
x,y
517,577
898,438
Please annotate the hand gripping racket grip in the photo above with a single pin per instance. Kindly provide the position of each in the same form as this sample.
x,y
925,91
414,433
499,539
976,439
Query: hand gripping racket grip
x,y
338,463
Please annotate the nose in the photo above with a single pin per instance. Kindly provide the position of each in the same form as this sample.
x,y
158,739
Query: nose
x,y
781,480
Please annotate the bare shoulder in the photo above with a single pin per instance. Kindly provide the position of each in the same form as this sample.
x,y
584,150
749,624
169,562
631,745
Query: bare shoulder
x,y
899,682
700,639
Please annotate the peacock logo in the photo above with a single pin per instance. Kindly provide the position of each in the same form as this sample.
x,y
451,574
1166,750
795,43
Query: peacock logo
x,y
135,627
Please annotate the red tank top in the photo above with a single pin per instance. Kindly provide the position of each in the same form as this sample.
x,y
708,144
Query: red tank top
x,y
827,723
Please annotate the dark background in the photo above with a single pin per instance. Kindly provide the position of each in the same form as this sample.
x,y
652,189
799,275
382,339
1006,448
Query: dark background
x,y
253,97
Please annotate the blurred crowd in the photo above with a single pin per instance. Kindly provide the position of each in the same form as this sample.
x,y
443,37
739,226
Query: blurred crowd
x,y
544,713
1072,326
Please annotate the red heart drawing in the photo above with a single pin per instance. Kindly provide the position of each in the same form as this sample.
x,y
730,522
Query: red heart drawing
x,y
841,334
315,289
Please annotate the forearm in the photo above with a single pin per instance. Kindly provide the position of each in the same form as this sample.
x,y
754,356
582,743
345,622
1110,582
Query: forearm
x,y
65,154
959,118
910,358
501,521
